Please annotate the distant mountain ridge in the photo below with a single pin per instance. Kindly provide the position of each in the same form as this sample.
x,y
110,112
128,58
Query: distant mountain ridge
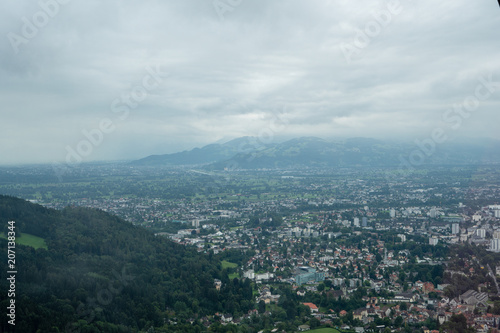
x,y
249,153
208,154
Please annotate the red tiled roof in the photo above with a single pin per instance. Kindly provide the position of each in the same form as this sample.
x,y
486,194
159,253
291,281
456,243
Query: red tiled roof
x,y
311,306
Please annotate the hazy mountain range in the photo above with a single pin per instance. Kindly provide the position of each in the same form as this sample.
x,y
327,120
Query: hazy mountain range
x,y
252,153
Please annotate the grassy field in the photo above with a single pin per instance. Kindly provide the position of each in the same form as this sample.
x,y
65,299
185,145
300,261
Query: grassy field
x,y
227,264
29,240
324,330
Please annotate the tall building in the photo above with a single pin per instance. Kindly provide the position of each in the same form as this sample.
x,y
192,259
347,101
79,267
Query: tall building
x,y
356,221
497,213
433,240
495,245
455,228
393,213
365,221
433,212
481,233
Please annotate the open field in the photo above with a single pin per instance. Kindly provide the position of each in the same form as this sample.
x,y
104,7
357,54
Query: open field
x,y
227,264
29,240
324,330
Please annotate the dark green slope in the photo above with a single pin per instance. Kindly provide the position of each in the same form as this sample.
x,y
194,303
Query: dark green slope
x,y
102,274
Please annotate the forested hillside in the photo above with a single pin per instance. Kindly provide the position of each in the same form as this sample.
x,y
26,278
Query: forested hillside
x,y
102,274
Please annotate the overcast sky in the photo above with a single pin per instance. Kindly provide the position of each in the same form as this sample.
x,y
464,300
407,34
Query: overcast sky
x,y
234,68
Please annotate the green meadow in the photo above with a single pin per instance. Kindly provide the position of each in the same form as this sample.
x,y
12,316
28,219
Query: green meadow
x,y
29,240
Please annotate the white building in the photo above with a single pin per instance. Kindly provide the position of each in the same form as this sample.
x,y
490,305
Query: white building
x,y
455,228
495,245
264,276
497,213
433,240
481,233
402,237
250,274
356,221
393,213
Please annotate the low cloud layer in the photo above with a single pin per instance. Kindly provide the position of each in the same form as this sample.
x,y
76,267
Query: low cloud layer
x,y
139,78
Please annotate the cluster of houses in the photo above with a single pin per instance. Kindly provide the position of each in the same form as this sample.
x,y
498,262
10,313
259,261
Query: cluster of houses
x,y
310,246
417,310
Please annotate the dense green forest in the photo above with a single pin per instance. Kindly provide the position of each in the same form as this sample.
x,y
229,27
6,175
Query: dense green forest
x,y
102,274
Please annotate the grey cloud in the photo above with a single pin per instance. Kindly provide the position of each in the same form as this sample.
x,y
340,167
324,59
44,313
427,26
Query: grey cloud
x,y
227,77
